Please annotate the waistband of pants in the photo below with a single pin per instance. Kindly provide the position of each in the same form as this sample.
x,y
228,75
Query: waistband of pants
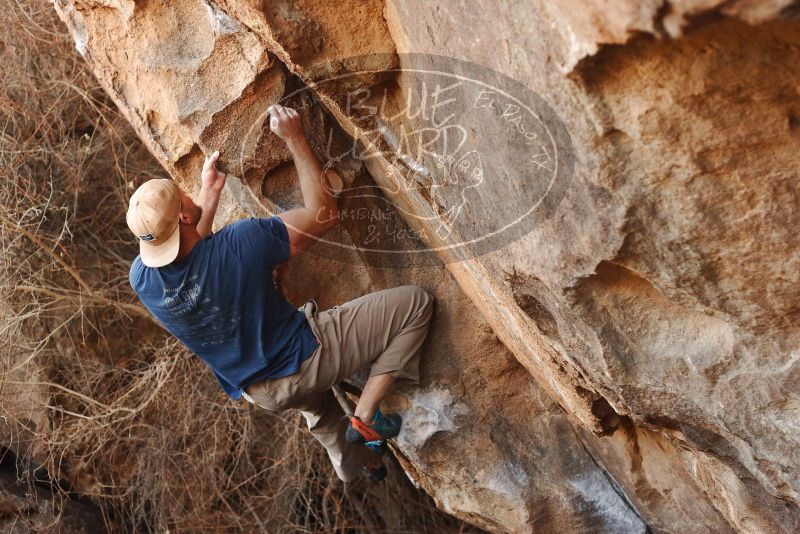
x,y
309,309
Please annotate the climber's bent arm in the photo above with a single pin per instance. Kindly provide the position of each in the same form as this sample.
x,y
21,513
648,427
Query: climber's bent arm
x,y
319,212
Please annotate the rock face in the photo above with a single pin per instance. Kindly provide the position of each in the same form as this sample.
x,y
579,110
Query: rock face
x,y
628,358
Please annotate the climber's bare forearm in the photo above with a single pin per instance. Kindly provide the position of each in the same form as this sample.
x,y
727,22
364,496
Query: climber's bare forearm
x,y
319,212
212,182
317,194
208,201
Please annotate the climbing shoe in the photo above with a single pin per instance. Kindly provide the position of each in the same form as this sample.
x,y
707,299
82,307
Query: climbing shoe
x,y
382,428
375,469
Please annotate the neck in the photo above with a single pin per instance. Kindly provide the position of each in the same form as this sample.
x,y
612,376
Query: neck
x,y
189,238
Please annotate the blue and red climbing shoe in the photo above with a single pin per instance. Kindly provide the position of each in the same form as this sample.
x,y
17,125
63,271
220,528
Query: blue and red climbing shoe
x,y
383,427
374,436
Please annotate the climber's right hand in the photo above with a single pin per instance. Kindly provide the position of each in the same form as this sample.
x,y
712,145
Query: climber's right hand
x,y
285,122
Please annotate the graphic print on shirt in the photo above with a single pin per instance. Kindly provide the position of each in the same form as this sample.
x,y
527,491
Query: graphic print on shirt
x,y
197,317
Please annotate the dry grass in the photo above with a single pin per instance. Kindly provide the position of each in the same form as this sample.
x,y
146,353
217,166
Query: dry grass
x,y
91,388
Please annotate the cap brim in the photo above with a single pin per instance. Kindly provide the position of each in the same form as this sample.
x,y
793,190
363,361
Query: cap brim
x,y
160,255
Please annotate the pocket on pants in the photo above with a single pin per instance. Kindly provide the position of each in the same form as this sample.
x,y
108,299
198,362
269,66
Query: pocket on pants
x,y
306,367
263,395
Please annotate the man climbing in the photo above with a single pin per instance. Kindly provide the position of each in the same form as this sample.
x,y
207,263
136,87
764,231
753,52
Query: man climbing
x,y
215,293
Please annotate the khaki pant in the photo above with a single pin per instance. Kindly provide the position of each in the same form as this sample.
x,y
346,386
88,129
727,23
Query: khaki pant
x,y
385,329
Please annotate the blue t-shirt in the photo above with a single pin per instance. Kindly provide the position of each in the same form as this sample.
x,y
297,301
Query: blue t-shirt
x,y
221,302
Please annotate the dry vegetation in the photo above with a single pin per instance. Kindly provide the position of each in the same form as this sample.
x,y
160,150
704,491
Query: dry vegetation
x,y
91,388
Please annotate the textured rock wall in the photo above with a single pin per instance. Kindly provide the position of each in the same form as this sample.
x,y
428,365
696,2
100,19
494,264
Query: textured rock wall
x,y
653,311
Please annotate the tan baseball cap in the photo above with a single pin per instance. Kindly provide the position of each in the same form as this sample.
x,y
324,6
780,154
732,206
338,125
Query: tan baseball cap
x,y
153,214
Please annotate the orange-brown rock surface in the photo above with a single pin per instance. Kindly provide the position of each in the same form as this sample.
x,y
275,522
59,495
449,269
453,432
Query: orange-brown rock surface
x,y
626,355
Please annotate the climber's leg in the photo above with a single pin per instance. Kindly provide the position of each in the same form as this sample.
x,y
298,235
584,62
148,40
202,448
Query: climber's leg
x,y
323,416
385,329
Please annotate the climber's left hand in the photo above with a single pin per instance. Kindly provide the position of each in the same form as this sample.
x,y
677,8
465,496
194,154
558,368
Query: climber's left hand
x,y
212,180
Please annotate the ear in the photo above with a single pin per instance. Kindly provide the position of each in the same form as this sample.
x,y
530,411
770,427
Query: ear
x,y
186,217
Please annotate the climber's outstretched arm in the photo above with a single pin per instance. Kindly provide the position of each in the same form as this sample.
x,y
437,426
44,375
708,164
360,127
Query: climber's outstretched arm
x,y
319,213
211,184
